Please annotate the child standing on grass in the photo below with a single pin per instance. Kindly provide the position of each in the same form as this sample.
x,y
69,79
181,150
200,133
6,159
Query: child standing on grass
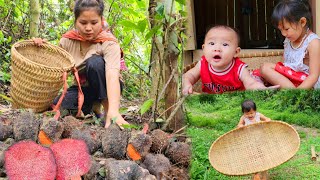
x,y
220,69
250,114
301,67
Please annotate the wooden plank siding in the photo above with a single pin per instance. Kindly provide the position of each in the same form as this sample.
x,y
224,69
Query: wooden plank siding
x,y
262,20
271,30
251,17
316,16
221,12
190,31
231,13
254,20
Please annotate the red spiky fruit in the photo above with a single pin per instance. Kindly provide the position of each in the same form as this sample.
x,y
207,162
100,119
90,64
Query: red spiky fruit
x,y
72,158
29,160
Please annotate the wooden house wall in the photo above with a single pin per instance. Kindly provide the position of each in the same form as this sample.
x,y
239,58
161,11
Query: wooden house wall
x,y
255,29
251,17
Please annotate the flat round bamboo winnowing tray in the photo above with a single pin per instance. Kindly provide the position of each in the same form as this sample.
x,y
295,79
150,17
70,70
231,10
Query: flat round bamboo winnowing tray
x,y
37,74
254,148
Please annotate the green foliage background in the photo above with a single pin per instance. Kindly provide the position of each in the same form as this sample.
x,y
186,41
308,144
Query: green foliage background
x,y
127,19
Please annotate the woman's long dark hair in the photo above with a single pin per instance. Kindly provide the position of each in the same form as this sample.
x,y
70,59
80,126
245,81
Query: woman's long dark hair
x,y
82,5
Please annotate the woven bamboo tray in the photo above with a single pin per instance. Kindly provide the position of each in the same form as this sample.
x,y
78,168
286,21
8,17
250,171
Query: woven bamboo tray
x,y
254,148
37,74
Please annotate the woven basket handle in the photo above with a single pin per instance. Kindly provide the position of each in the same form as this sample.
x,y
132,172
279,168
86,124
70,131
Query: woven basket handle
x,y
56,108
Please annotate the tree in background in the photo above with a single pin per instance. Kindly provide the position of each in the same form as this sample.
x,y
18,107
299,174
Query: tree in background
x,y
34,18
164,63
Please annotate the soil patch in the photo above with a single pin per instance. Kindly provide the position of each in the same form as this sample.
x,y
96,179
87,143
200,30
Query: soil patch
x,y
310,132
113,153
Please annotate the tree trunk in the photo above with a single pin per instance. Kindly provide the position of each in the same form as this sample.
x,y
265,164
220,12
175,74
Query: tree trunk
x,y
155,69
164,63
34,18
171,55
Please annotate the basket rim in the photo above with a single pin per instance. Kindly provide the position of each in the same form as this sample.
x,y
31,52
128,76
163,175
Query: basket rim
x,y
64,53
245,127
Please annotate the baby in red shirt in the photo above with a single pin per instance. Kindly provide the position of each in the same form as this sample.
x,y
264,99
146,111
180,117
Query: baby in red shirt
x,y
220,69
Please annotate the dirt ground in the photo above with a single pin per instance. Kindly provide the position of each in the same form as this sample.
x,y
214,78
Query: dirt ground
x,y
313,132
169,166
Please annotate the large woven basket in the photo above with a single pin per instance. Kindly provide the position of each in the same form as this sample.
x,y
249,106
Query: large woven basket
x,y
37,74
254,148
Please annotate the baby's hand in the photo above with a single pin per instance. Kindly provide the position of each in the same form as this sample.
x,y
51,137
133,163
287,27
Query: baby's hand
x,y
187,89
240,125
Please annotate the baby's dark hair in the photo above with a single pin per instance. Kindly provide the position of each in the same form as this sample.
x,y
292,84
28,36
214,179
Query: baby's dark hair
x,y
247,105
82,5
235,30
292,11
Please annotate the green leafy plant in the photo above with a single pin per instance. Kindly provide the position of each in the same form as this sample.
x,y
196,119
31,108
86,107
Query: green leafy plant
x,y
146,106
113,120
6,98
49,114
131,126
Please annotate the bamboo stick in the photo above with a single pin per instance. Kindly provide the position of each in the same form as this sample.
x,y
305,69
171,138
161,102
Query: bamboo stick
x,y
313,154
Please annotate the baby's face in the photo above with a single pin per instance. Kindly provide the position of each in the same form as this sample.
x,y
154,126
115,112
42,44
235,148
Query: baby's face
x,y
250,114
220,47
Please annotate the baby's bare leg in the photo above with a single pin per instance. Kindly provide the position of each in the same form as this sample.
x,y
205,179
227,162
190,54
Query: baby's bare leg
x,y
269,73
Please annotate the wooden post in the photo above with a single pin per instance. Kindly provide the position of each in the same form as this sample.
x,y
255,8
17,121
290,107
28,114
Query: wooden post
x,y
190,25
313,154
187,58
316,7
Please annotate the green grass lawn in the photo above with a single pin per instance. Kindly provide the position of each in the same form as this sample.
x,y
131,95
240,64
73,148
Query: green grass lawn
x,y
210,116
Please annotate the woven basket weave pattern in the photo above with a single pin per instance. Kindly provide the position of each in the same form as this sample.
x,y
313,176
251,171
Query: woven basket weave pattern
x,y
37,74
254,148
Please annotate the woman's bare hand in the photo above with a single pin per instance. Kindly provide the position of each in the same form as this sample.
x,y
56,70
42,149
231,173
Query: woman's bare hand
x,y
39,41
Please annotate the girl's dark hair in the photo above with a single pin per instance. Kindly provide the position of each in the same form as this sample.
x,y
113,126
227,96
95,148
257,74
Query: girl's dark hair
x,y
247,105
292,11
82,5
235,30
